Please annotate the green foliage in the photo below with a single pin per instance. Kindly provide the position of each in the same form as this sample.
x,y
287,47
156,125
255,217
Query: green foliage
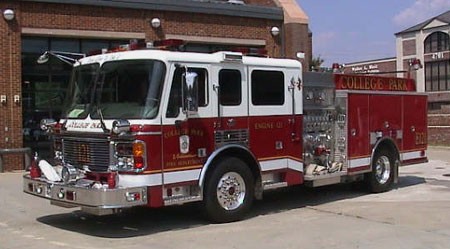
x,y
316,62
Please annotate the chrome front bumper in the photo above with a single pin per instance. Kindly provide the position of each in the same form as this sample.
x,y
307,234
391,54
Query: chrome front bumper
x,y
92,200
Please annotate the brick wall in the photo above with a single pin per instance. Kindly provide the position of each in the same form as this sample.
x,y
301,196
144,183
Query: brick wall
x,y
215,26
439,126
409,47
375,66
79,17
297,38
10,71
60,16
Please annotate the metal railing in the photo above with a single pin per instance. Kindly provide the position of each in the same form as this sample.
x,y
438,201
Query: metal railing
x,y
25,151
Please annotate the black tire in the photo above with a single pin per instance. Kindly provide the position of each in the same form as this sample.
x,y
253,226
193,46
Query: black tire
x,y
231,178
382,176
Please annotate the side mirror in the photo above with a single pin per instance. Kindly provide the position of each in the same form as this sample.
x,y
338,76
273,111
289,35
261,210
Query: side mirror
x,y
47,124
189,93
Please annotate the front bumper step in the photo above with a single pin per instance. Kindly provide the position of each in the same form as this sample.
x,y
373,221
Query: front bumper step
x,y
97,201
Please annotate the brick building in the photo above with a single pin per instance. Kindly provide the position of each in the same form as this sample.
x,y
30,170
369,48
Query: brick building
x,y
386,66
428,41
31,91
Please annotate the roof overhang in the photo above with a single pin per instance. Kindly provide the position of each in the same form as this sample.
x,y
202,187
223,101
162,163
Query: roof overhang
x,y
214,8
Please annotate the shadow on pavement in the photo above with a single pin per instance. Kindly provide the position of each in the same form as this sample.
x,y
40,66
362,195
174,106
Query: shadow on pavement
x,y
144,221
409,180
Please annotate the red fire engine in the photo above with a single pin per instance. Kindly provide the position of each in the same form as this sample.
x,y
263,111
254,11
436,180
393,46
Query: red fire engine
x,y
157,128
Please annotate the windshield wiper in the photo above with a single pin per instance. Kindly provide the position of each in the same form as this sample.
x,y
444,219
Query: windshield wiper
x,y
102,121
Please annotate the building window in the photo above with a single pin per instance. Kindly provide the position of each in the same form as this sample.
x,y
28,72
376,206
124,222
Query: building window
x,y
267,87
437,76
436,42
44,85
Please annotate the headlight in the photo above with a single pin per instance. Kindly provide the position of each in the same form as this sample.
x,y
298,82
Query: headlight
x,y
57,148
69,174
131,156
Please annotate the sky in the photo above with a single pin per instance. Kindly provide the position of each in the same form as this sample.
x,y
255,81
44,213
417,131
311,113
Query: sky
x,y
355,30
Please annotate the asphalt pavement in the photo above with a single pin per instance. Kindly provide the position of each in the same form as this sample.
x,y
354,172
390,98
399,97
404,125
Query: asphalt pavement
x,y
414,215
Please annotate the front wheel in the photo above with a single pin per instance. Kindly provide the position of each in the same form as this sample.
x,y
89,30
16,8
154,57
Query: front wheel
x,y
382,176
229,191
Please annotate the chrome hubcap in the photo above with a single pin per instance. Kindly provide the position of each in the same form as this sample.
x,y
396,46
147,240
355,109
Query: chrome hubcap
x,y
382,169
231,191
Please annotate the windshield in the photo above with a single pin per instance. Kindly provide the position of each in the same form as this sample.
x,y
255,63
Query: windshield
x,y
80,91
129,89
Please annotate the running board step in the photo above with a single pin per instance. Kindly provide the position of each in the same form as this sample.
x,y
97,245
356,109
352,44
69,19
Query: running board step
x,y
274,185
177,200
323,181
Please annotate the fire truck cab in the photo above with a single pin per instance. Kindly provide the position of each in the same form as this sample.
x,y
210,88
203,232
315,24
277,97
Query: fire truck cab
x,y
157,128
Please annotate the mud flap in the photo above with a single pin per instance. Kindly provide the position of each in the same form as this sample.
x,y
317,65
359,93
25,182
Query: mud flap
x,y
396,166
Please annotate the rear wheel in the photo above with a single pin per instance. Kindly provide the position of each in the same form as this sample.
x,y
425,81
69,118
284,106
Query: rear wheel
x,y
229,191
382,176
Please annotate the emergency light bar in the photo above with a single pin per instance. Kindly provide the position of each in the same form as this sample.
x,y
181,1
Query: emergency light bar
x,y
168,44
133,45
177,45
337,67
258,52
415,64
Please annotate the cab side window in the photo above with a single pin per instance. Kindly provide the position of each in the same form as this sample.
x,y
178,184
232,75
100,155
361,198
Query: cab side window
x,y
175,98
230,85
267,87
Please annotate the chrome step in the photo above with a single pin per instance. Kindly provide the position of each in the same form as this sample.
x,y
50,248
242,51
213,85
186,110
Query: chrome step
x,y
177,200
274,185
324,179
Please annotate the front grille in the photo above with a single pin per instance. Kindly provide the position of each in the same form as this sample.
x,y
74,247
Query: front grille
x,y
90,152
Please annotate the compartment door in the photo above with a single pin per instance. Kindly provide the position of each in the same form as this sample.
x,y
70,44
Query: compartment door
x,y
386,117
358,123
414,122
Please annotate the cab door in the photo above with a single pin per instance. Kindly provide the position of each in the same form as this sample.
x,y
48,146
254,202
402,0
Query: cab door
x,y
230,104
186,136
271,112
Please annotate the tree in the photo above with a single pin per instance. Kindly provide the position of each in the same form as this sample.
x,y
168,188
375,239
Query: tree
x,y
315,63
